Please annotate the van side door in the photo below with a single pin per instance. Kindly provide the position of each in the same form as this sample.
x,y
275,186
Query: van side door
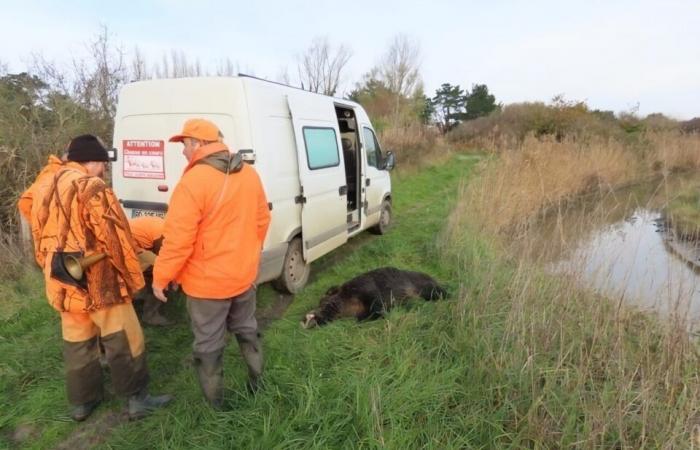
x,y
375,179
323,192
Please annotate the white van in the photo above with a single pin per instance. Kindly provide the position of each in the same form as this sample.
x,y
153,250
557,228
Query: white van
x,y
324,173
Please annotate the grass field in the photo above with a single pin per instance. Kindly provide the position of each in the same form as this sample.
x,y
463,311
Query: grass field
x,y
683,212
345,385
513,359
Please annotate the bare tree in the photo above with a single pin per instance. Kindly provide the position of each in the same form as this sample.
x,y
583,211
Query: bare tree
x,y
283,76
99,79
48,71
162,70
227,68
177,65
320,66
139,70
399,69
400,66
91,80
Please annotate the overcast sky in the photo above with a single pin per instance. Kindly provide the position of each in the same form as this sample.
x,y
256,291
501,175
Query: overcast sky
x,y
614,54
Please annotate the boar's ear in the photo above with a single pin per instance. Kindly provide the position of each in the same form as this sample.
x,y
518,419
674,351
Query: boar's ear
x,y
333,290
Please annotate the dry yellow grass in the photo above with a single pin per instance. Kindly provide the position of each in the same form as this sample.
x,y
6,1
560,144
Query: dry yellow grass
x,y
673,150
587,369
515,185
415,146
520,181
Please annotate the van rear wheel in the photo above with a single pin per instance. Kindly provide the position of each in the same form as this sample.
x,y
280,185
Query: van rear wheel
x,y
295,271
384,219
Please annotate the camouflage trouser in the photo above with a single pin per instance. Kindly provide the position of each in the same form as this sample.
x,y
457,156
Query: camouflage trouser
x,y
118,329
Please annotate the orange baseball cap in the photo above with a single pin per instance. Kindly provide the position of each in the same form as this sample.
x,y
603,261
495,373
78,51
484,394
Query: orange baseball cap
x,y
201,129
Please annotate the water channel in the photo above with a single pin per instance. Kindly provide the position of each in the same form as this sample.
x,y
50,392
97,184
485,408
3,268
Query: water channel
x,y
619,245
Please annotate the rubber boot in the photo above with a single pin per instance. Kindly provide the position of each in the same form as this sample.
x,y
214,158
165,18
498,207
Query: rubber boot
x,y
210,371
151,312
251,349
82,412
142,404
83,377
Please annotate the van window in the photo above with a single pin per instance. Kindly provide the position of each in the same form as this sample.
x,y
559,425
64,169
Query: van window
x,y
321,147
374,155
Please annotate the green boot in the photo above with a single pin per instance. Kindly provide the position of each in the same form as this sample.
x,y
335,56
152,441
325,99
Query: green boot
x,y
210,371
82,412
142,404
251,349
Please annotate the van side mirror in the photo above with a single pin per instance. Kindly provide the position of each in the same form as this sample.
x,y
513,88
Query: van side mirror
x,y
389,161
112,154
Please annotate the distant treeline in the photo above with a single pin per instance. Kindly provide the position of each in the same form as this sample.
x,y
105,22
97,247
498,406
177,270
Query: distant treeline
x,y
43,107
561,119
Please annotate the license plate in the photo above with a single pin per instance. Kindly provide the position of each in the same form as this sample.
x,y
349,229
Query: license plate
x,y
146,212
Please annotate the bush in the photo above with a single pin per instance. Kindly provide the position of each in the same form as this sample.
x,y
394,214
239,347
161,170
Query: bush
x,y
413,146
560,119
691,126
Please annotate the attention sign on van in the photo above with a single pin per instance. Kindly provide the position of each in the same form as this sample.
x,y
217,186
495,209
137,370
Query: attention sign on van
x,y
144,159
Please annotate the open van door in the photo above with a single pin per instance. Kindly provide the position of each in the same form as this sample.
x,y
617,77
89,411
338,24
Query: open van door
x,y
321,174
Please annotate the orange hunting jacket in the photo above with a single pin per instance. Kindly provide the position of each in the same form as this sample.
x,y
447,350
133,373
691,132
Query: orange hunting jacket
x,y
78,213
33,195
43,179
146,230
214,229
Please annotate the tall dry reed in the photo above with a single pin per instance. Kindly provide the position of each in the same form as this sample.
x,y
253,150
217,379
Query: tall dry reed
x,y
415,146
515,186
575,369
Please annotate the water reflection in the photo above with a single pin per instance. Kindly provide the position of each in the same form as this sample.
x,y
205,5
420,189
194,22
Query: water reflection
x,y
638,261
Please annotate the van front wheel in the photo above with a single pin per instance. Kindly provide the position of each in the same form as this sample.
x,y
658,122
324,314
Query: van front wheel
x,y
384,219
295,271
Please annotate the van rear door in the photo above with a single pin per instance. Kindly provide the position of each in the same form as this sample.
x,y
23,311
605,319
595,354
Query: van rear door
x,y
148,166
321,174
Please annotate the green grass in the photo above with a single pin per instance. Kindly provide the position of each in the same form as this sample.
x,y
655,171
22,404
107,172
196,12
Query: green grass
x,y
514,359
353,385
683,212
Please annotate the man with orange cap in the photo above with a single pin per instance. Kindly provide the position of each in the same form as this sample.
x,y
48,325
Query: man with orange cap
x,y
215,228
91,272
148,234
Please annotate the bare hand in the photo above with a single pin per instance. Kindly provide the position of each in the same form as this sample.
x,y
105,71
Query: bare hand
x,y
159,294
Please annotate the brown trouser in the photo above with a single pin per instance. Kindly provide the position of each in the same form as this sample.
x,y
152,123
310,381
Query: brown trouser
x,y
211,319
119,332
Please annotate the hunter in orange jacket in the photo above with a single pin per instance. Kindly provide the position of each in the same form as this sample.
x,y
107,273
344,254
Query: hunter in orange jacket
x,y
206,245
77,216
147,232
214,233
87,220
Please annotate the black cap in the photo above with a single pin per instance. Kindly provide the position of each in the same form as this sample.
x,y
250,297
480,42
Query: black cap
x,y
85,148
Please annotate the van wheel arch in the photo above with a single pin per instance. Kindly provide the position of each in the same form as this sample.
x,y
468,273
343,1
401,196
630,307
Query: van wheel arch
x,y
385,218
295,271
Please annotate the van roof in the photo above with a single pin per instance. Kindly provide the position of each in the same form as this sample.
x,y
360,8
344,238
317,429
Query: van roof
x,y
221,82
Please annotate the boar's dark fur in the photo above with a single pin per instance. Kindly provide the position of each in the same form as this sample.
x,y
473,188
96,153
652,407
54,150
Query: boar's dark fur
x,y
370,295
